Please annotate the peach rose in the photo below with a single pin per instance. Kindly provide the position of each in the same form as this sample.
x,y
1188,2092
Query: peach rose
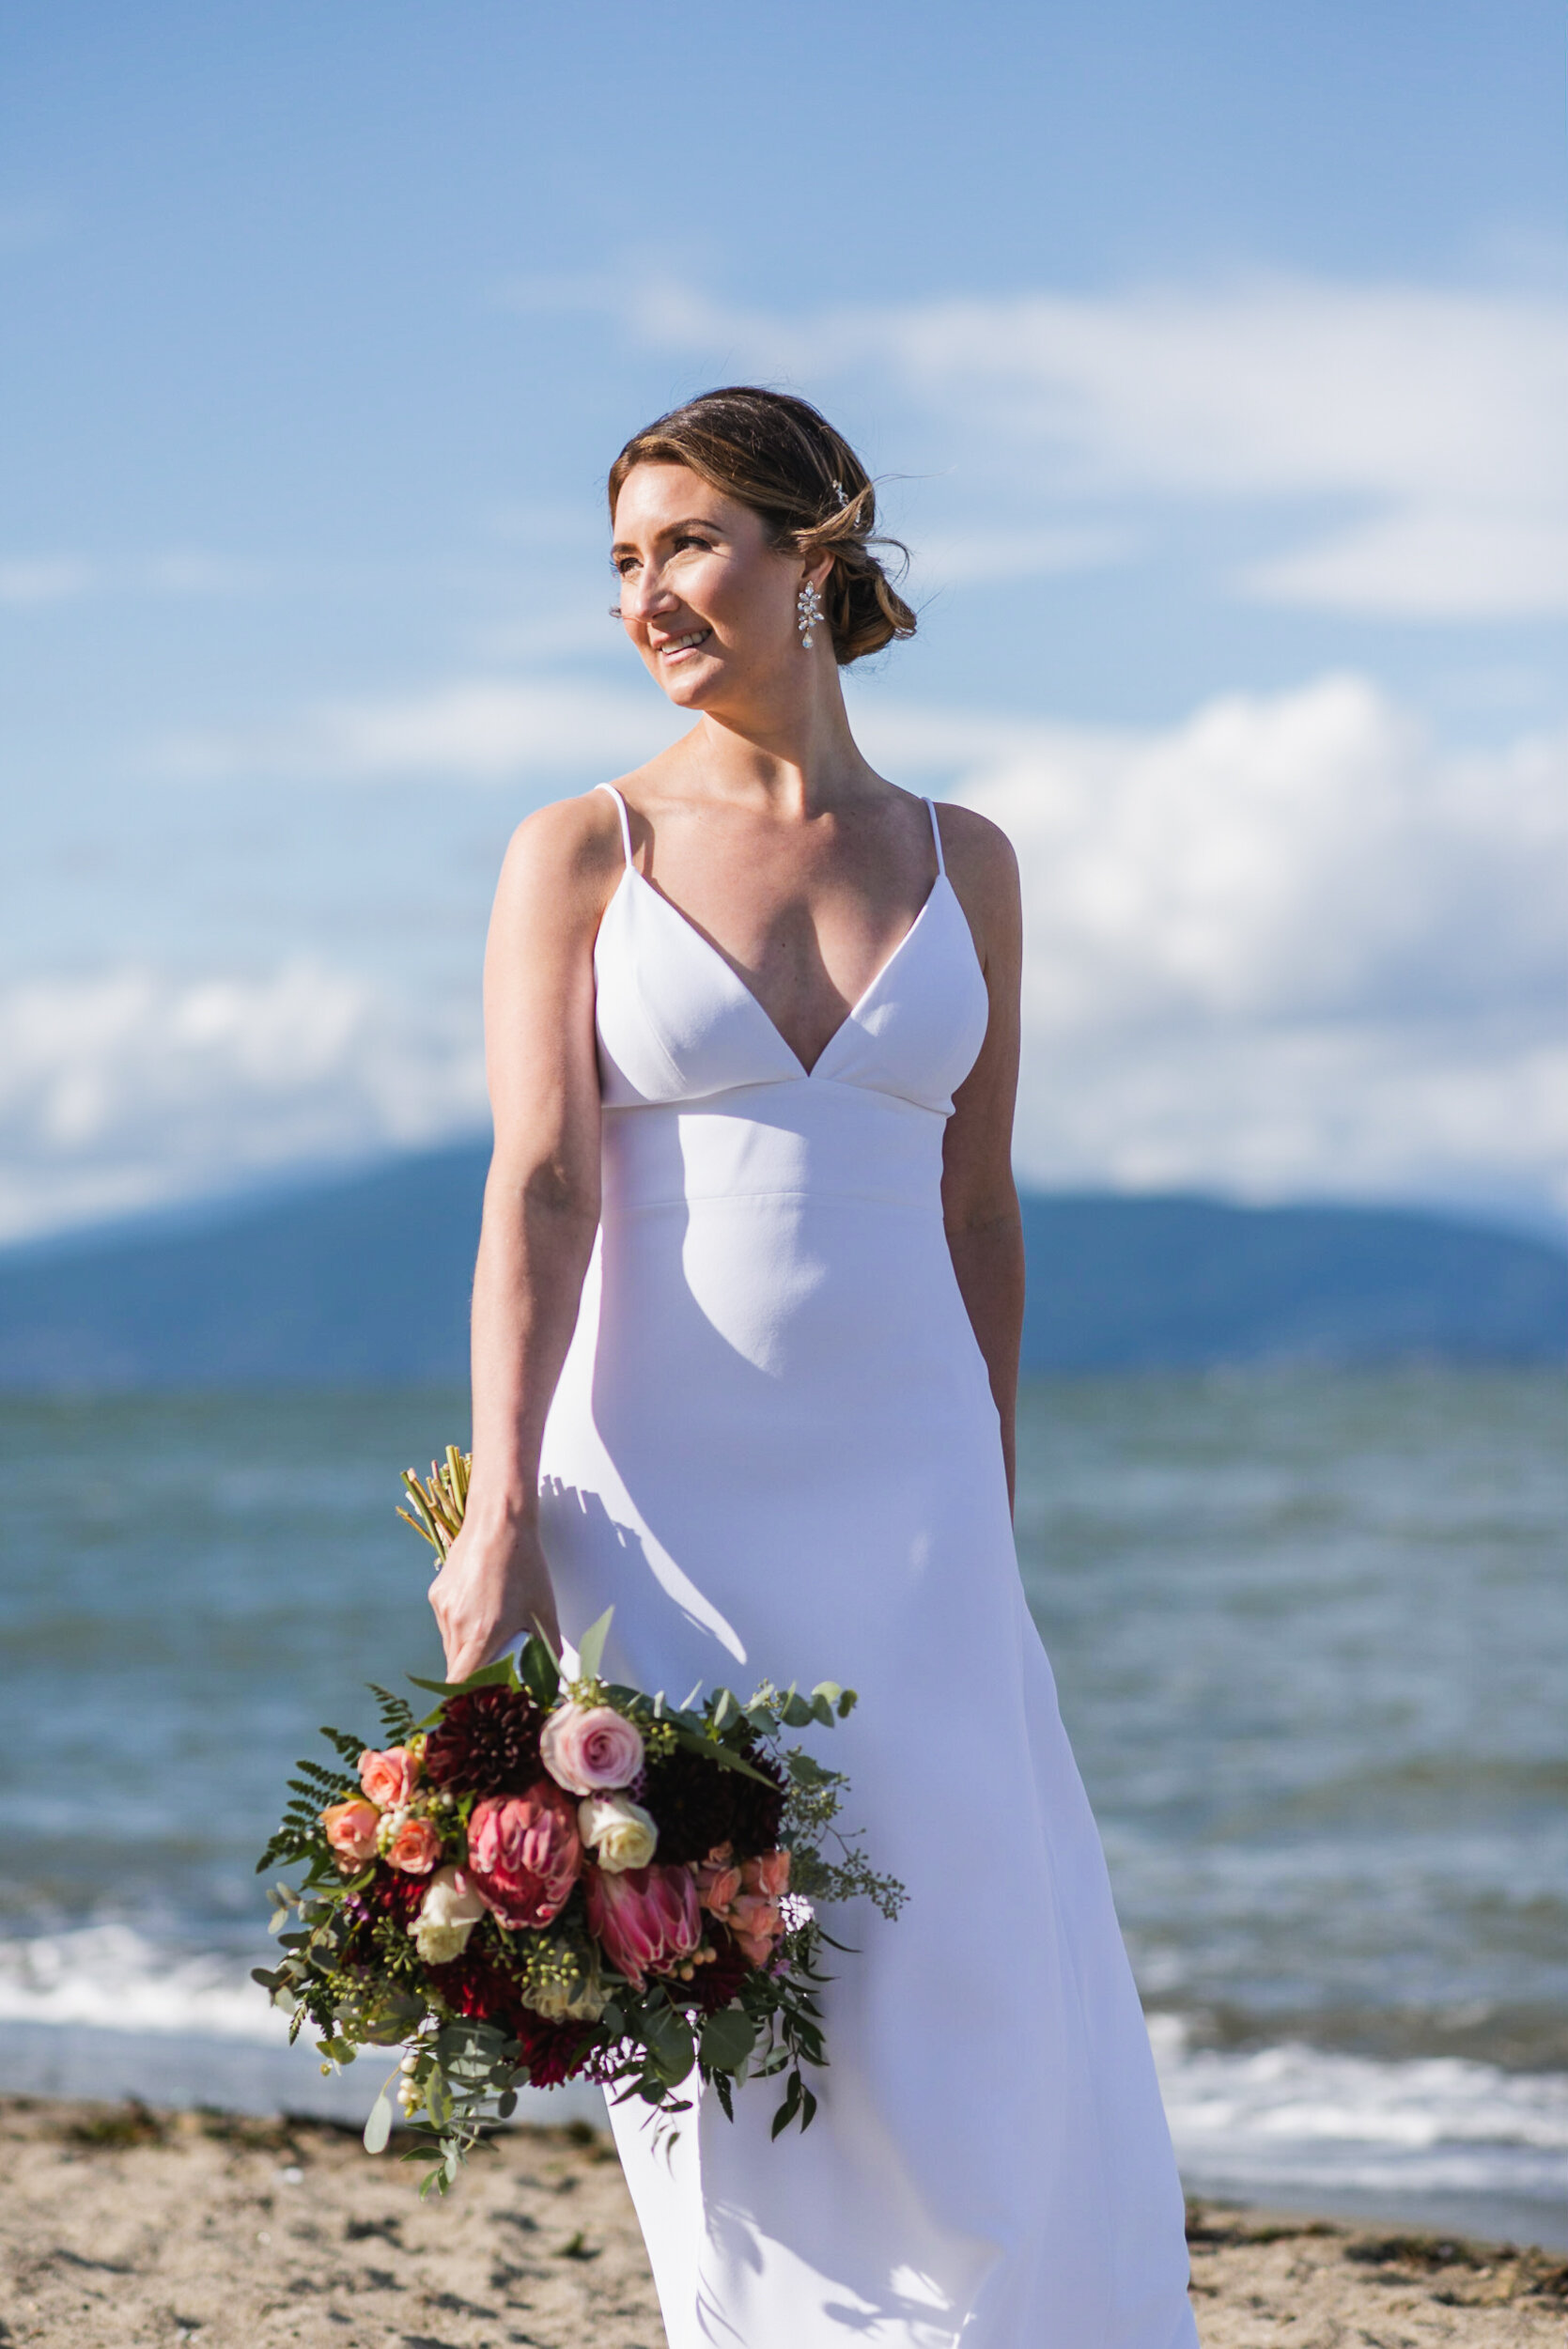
x,y
769,1875
756,1924
414,1848
591,1748
745,1900
717,1885
388,1778
351,1832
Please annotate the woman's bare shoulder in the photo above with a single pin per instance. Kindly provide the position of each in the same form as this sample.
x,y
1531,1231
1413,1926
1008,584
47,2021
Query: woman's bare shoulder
x,y
981,861
571,845
560,869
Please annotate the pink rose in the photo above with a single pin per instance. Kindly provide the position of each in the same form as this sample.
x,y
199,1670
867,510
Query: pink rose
x,y
414,1848
524,1853
351,1832
388,1778
590,1749
645,1918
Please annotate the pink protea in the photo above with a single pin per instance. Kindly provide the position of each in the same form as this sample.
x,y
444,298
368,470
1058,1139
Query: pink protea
x,y
524,1853
646,1919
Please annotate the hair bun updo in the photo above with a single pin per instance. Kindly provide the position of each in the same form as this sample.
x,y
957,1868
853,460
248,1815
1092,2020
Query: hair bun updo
x,y
781,458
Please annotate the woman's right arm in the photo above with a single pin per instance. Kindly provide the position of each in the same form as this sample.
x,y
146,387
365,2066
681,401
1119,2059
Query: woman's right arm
x,y
541,1211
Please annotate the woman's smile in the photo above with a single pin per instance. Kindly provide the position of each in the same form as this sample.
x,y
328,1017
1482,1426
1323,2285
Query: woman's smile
x,y
675,648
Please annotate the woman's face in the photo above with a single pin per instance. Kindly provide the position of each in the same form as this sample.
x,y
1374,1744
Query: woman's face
x,y
708,601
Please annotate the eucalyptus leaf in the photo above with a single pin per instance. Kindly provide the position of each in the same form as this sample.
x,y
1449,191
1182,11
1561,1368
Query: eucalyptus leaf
x,y
539,1671
697,1741
726,1704
728,2038
590,1648
378,2129
499,1675
670,2042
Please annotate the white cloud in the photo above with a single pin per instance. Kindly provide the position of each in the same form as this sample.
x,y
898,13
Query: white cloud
x,y
128,1088
31,581
954,558
1438,413
480,730
1290,947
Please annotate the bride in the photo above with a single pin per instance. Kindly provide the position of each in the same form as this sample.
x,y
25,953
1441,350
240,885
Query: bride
x,y
746,1323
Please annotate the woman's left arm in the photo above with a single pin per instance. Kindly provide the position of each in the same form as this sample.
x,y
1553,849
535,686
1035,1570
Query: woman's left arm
x,y
980,1201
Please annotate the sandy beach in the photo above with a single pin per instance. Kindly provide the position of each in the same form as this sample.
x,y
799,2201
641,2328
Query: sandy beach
x,y
125,2226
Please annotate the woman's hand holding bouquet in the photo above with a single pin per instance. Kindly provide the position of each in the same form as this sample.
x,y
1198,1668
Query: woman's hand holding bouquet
x,y
551,1877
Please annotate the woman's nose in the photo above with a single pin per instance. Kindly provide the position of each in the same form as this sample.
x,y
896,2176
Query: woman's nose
x,y
641,598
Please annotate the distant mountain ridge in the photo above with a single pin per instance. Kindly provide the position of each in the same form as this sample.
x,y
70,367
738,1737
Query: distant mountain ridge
x,y
364,1279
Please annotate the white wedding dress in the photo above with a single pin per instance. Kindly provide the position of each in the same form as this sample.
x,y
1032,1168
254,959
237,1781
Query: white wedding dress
x,y
773,1451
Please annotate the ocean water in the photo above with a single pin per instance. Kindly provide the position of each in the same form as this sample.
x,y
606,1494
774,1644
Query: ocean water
x,y
1311,1635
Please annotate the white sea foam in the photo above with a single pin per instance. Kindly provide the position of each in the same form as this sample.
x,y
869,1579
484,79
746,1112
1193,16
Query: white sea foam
x,y
1297,2119
1283,2121
109,1977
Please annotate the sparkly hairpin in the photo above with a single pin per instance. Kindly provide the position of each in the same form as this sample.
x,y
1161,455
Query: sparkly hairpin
x,y
838,492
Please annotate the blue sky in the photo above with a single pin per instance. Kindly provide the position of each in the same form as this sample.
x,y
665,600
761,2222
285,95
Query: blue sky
x,y
1216,355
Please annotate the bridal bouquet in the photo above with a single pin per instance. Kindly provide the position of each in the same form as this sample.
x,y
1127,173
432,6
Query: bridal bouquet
x,y
551,1877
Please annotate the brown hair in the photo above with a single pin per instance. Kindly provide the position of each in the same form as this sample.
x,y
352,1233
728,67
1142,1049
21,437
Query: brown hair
x,y
783,459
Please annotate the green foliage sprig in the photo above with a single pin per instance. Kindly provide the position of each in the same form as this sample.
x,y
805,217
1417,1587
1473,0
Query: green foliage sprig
x,y
349,1966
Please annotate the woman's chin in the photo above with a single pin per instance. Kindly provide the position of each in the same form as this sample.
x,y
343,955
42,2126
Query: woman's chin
x,y
691,687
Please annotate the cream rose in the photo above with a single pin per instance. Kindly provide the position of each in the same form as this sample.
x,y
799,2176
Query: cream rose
x,y
447,1915
619,1831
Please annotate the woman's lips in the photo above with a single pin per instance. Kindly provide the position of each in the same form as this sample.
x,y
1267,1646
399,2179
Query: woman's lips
x,y
677,646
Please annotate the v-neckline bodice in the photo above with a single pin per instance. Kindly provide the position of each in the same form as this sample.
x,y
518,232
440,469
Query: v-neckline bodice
x,y
808,1071
677,1025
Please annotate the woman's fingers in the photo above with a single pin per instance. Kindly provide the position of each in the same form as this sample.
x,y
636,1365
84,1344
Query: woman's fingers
x,y
469,1637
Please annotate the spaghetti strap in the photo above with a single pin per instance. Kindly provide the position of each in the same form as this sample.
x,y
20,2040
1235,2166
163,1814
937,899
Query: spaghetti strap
x,y
625,820
937,836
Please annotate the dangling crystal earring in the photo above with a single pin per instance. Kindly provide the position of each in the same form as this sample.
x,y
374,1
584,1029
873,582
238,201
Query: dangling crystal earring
x,y
808,608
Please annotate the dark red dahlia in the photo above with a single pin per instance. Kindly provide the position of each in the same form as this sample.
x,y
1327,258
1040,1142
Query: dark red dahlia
x,y
758,1811
486,1743
552,2051
717,1984
391,1893
389,1898
476,1985
698,1804
479,1983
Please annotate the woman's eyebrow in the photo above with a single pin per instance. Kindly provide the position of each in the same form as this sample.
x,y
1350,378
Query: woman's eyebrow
x,y
671,530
